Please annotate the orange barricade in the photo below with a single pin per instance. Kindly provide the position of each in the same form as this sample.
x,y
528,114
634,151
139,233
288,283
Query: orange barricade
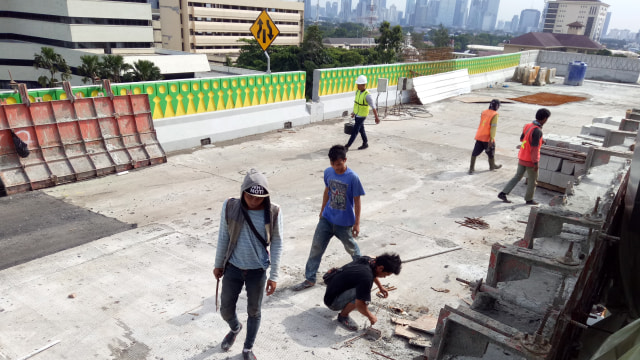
x,y
70,141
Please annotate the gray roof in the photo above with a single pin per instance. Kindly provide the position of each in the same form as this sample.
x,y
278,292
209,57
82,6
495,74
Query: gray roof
x,y
349,41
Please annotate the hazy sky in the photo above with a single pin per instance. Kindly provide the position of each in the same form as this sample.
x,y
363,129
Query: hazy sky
x,y
624,13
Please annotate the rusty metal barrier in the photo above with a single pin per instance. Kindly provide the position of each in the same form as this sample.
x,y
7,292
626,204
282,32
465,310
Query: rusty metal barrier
x,y
76,139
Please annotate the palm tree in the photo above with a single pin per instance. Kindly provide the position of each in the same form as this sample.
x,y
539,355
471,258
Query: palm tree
x,y
54,63
113,66
90,67
144,70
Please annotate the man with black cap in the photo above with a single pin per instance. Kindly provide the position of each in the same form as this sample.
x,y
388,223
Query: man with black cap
x,y
248,226
486,136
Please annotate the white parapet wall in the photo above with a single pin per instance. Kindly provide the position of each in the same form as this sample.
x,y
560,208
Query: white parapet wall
x,y
603,68
191,131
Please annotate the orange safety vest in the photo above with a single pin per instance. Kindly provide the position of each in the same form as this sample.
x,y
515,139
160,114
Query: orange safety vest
x,y
525,147
484,130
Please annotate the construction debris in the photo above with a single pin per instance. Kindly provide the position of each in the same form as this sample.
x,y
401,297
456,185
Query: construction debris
x,y
442,290
474,223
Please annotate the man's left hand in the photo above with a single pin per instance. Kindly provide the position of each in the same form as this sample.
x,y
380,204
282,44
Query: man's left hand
x,y
271,287
377,120
355,230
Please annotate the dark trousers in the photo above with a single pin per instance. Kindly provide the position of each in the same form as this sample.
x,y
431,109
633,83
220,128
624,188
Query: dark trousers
x,y
487,147
358,128
232,282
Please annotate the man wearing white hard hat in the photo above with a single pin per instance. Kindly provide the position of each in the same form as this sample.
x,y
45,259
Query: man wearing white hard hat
x,y
361,106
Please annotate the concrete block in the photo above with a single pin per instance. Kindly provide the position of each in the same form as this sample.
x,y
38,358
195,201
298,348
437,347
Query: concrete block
x,y
586,130
601,129
579,147
544,160
554,164
567,167
607,120
551,76
579,169
544,175
559,179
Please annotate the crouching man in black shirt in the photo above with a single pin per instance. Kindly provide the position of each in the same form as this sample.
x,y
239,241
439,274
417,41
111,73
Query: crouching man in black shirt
x,y
350,288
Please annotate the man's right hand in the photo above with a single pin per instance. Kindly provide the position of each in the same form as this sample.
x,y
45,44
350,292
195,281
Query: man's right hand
x,y
535,167
218,272
373,319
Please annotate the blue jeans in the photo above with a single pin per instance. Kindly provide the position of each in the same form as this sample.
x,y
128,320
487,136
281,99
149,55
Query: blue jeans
x,y
324,232
232,282
358,128
339,303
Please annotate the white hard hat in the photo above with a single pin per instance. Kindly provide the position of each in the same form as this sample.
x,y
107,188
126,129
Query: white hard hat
x,y
361,80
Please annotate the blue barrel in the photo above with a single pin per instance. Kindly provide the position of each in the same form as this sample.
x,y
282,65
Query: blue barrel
x,y
576,73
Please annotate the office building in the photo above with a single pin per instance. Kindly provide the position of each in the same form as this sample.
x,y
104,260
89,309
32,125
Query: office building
x,y
474,20
446,13
605,28
560,13
489,14
529,20
216,27
460,13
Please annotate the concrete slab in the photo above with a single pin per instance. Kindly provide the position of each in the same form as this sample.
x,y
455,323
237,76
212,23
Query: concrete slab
x,y
149,292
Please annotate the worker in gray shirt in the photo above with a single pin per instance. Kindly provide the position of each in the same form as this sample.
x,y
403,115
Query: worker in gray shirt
x,y
248,226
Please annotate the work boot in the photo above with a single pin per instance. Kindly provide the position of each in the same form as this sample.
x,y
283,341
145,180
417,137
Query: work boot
x,y
229,339
473,165
492,164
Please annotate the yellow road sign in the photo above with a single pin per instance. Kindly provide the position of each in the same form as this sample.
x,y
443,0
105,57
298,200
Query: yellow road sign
x,y
264,30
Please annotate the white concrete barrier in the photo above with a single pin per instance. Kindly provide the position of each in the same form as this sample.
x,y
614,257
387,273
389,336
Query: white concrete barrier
x,y
190,131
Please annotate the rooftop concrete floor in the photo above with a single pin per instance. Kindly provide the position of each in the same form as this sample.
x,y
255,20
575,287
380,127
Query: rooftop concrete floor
x,y
149,293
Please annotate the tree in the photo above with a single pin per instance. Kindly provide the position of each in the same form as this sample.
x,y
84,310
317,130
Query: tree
x,y
144,70
54,63
113,67
440,36
389,44
604,52
90,67
251,56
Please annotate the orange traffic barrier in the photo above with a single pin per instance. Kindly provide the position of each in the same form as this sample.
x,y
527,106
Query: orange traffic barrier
x,y
72,140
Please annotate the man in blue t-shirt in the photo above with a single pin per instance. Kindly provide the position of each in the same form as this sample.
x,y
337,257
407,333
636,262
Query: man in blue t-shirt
x,y
339,216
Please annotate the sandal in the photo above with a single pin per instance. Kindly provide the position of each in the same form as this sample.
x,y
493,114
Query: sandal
x,y
303,285
348,323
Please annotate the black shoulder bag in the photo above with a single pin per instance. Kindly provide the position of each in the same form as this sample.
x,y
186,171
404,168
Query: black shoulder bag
x,y
253,228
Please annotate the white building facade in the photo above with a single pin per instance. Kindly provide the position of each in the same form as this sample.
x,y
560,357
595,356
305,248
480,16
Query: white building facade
x,y
591,14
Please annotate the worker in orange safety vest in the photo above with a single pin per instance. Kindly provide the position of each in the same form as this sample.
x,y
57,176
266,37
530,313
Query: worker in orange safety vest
x,y
486,136
528,157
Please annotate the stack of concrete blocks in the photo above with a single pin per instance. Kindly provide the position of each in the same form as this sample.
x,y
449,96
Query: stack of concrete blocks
x,y
605,131
541,77
551,76
534,75
632,120
562,161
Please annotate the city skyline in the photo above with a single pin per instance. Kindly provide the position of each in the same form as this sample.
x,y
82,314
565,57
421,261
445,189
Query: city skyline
x,y
623,17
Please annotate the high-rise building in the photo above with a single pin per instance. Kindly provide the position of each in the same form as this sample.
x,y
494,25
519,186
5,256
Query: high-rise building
x,y
529,20
310,9
433,7
345,10
420,18
560,13
215,27
460,13
409,11
515,21
446,12
474,20
489,14
607,20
